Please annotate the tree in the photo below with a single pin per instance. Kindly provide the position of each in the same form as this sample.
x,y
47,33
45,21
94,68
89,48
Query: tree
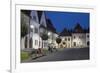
x,y
44,36
24,27
24,30
58,40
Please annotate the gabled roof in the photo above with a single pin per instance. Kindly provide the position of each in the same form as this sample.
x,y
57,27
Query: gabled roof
x,y
78,29
65,32
50,26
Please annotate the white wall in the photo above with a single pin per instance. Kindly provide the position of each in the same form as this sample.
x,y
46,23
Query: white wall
x,y
80,39
38,38
67,42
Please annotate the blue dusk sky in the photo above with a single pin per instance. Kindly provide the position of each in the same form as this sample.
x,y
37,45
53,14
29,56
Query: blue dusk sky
x,y
68,20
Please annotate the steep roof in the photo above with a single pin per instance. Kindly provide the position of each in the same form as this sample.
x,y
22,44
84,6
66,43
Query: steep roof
x,y
65,32
78,29
50,26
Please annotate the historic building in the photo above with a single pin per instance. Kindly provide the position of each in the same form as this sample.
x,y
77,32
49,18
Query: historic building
x,y
37,24
77,38
66,39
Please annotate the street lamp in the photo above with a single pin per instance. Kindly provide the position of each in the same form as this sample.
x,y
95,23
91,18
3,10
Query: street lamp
x,y
49,33
31,26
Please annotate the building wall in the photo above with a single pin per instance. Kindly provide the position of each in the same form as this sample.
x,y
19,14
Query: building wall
x,y
37,41
66,42
87,39
79,40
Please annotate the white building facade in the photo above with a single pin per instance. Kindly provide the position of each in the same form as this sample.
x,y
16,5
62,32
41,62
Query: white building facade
x,y
78,38
37,24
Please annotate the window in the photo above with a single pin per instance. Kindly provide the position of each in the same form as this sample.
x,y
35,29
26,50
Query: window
x,y
88,36
74,43
68,39
36,42
65,39
88,43
64,43
35,30
74,37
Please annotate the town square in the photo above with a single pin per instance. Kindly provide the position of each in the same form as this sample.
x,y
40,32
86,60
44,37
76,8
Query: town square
x,y
54,36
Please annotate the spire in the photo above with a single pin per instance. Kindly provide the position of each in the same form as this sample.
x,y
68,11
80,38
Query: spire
x,y
78,28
